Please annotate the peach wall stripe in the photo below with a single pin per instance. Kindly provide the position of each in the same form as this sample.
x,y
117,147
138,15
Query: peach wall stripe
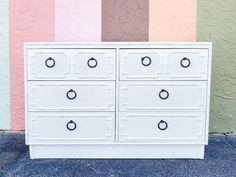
x,y
4,66
78,20
172,20
30,20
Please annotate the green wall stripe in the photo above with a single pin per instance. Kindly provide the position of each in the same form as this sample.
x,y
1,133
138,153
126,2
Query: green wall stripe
x,y
4,66
216,22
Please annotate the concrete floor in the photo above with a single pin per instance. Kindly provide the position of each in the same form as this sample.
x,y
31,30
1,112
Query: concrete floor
x,y
220,161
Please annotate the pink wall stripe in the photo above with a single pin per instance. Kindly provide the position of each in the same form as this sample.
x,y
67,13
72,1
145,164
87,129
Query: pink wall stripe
x,y
172,20
30,20
78,20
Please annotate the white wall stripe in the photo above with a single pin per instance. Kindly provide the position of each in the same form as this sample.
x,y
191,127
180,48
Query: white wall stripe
x,y
78,20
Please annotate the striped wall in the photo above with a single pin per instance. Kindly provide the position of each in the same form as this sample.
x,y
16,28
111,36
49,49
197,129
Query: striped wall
x,y
28,21
106,20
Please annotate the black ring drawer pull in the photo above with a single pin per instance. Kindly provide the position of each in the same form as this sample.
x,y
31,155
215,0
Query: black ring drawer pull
x,y
185,62
50,62
71,94
71,125
146,61
92,62
165,96
162,125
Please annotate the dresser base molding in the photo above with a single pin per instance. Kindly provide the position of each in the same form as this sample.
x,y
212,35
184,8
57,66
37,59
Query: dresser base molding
x,y
117,151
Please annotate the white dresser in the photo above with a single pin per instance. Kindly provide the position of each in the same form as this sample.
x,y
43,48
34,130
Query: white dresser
x,y
117,100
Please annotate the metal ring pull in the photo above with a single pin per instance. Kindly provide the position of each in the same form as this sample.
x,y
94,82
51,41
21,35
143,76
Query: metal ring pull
x,y
163,94
92,62
71,125
162,125
146,61
50,62
185,62
71,94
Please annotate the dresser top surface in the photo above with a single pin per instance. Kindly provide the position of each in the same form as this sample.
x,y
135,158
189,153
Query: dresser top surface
x,y
206,45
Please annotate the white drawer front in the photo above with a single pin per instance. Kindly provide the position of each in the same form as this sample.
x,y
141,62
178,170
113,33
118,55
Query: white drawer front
x,y
166,128
190,64
46,64
71,127
163,64
162,95
139,64
95,64
71,64
71,96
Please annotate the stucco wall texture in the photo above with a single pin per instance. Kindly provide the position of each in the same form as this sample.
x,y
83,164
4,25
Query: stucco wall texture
x,y
216,22
172,20
4,67
118,20
28,21
77,20
125,20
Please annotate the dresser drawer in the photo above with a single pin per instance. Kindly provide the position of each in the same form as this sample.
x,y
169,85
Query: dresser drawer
x,y
71,96
166,128
69,128
71,64
163,64
96,64
187,64
46,64
141,64
162,95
